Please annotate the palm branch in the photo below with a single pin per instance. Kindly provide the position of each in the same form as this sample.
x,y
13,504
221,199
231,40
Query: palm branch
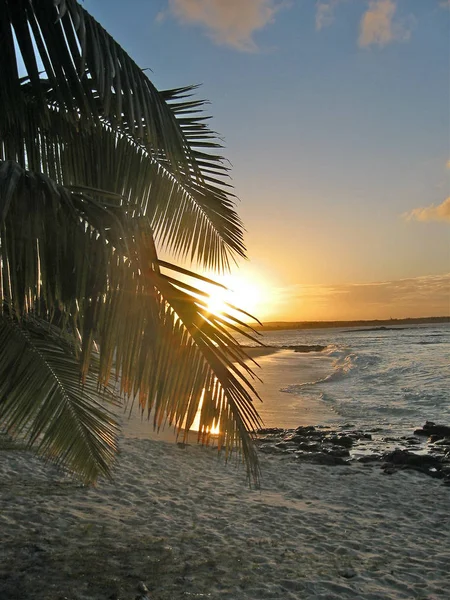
x,y
96,167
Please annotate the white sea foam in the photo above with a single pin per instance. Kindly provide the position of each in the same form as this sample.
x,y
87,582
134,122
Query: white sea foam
x,y
397,378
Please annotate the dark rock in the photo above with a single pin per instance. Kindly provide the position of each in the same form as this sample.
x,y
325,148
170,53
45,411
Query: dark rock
x,y
368,458
437,438
305,430
270,449
443,442
269,430
337,451
305,348
410,441
309,446
268,438
342,440
287,446
405,457
142,588
348,573
431,428
320,458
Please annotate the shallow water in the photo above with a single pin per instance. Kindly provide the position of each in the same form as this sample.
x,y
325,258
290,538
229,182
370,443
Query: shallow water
x,y
392,379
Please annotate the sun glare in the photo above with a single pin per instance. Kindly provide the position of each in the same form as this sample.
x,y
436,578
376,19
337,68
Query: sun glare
x,y
245,294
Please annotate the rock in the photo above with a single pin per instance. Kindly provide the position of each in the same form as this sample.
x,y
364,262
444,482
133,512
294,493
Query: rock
x,y
443,442
348,573
411,441
269,430
268,438
309,446
431,428
270,449
368,458
305,348
337,451
305,430
404,459
342,440
142,588
320,458
286,445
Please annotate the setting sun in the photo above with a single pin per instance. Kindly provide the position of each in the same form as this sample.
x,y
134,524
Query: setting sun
x,y
244,292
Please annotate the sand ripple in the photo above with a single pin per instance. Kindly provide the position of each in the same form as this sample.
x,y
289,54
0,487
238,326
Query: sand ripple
x,y
187,526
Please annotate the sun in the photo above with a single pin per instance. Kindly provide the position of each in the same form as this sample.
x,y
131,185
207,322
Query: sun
x,y
246,294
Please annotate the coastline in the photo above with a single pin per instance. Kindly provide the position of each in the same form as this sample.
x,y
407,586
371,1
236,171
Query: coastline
x,y
370,323
185,524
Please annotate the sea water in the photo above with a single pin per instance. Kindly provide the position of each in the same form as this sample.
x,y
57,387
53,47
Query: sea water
x,y
391,379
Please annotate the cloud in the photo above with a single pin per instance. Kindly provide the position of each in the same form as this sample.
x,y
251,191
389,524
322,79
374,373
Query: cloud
x,y
415,296
325,13
227,22
441,212
378,26
447,164
445,4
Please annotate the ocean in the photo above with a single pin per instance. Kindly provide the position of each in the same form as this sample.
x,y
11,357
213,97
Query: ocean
x,y
389,380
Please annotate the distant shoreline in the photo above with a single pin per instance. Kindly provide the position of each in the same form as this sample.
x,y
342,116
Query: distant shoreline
x,y
282,325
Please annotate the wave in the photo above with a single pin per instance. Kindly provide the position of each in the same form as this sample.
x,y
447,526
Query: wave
x,y
341,368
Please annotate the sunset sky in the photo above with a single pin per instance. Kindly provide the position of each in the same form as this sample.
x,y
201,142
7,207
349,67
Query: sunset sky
x,y
335,117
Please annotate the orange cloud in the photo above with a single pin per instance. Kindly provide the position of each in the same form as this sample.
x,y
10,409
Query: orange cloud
x,y
378,26
413,297
441,212
227,22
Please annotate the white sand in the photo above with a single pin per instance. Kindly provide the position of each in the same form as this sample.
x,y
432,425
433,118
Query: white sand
x,y
188,526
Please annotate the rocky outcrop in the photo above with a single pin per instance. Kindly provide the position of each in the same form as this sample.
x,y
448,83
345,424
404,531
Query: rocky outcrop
x,y
310,444
305,348
324,446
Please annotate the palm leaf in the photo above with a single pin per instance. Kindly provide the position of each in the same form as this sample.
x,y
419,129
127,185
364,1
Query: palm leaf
x,y
43,402
89,81
95,270
95,165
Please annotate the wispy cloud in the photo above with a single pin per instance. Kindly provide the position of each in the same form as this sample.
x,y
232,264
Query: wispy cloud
x,y
379,27
227,22
415,296
445,4
325,13
441,212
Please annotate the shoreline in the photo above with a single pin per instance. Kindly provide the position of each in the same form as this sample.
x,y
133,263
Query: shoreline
x,y
393,323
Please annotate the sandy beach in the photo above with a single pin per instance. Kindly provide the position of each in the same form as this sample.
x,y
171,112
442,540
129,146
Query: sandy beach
x,y
185,525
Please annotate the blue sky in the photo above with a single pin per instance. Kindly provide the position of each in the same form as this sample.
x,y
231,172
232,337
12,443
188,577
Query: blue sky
x,y
335,116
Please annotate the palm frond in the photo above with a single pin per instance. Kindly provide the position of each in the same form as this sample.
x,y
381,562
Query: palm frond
x,y
43,401
90,83
95,165
94,269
